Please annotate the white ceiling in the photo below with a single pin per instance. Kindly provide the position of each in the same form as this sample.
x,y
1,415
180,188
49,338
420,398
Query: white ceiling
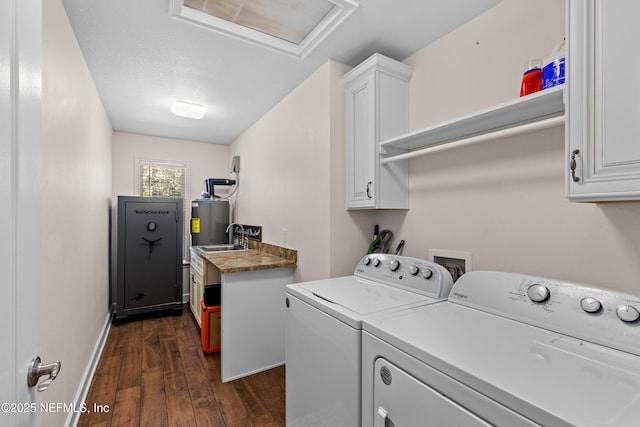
x,y
142,60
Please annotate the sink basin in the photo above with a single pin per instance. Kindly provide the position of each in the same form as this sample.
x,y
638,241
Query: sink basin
x,y
221,248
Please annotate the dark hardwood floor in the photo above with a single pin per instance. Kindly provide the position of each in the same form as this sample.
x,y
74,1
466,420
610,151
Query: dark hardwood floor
x,y
153,372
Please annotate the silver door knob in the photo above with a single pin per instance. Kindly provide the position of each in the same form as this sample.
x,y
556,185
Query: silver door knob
x,y
37,369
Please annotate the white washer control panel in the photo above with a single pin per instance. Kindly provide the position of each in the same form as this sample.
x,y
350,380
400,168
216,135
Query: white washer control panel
x,y
603,317
413,274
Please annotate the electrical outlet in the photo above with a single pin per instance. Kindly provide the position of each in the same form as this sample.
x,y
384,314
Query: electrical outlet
x,y
235,164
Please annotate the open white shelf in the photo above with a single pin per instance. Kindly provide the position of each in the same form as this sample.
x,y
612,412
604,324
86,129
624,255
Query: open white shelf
x,y
525,110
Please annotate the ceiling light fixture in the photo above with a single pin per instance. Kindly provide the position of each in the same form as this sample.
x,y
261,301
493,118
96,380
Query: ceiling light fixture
x,y
187,109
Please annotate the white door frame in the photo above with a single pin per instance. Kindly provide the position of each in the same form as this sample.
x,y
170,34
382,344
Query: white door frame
x,y
20,207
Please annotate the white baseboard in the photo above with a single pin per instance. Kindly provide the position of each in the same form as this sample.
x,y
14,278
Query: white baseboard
x,y
85,383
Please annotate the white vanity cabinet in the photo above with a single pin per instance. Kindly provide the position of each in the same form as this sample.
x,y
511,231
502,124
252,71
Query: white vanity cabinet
x,y
201,273
377,106
603,106
196,282
252,307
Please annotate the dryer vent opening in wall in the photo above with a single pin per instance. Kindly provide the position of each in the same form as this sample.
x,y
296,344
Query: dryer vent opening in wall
x,y
456,262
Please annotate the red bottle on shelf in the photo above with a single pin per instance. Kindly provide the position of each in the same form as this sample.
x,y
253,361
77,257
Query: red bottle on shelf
x,y
532,78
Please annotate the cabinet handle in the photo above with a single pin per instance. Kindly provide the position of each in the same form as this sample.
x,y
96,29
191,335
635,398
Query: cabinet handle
x,y
573,165
368,189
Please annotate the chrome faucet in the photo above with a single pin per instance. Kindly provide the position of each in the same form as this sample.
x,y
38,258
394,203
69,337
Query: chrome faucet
x,y
243,241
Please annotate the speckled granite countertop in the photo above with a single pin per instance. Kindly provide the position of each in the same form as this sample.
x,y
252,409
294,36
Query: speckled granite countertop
x,y
260,256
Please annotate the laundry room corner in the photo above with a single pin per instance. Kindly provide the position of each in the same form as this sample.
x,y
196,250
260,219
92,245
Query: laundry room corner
x,y
505,201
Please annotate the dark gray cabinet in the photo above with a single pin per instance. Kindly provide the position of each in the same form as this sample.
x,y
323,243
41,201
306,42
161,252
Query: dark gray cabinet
x,y
149,261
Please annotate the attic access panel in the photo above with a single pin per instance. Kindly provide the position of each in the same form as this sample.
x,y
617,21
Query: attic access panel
x,y
294,27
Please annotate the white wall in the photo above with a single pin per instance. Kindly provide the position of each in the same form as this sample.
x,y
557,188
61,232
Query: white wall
x,y
204,160
287,175
76,195
481,63
504,200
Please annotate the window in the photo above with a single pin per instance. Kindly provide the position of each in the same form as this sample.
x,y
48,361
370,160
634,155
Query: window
x,y
162,179
166,179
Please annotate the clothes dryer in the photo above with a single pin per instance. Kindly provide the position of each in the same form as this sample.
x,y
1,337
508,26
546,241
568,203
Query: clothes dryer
x,y
508,350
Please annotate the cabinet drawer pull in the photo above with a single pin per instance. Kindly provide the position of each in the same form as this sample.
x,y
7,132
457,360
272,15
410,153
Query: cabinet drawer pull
x,y
368,189
573,165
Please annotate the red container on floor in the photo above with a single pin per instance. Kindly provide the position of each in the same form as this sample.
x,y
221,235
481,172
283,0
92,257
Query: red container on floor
x,y
210,329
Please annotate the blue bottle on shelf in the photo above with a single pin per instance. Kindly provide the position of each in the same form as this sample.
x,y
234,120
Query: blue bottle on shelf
x,y
553,70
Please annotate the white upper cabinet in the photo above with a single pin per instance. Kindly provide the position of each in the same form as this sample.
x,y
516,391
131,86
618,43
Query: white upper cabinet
x,y
603,126
377,97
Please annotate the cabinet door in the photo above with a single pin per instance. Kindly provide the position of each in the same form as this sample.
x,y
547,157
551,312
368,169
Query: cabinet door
x,y
377,93
361,153
192,281
603,130
197,284
198,288
193,291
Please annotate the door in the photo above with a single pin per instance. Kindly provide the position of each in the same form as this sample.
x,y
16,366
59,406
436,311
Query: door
x,y
360,145
152,246
20,211
401,400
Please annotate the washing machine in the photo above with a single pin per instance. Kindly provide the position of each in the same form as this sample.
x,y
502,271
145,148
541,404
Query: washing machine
x,y
324,328
508,350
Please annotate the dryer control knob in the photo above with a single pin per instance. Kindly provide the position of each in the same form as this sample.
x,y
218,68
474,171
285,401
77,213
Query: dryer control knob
x,y
427,273
538,293
376,262
627,313
394,265
414,270
367,260
590,305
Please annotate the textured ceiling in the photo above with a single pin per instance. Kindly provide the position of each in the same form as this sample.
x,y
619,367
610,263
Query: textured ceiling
x,y
290,20
142,60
